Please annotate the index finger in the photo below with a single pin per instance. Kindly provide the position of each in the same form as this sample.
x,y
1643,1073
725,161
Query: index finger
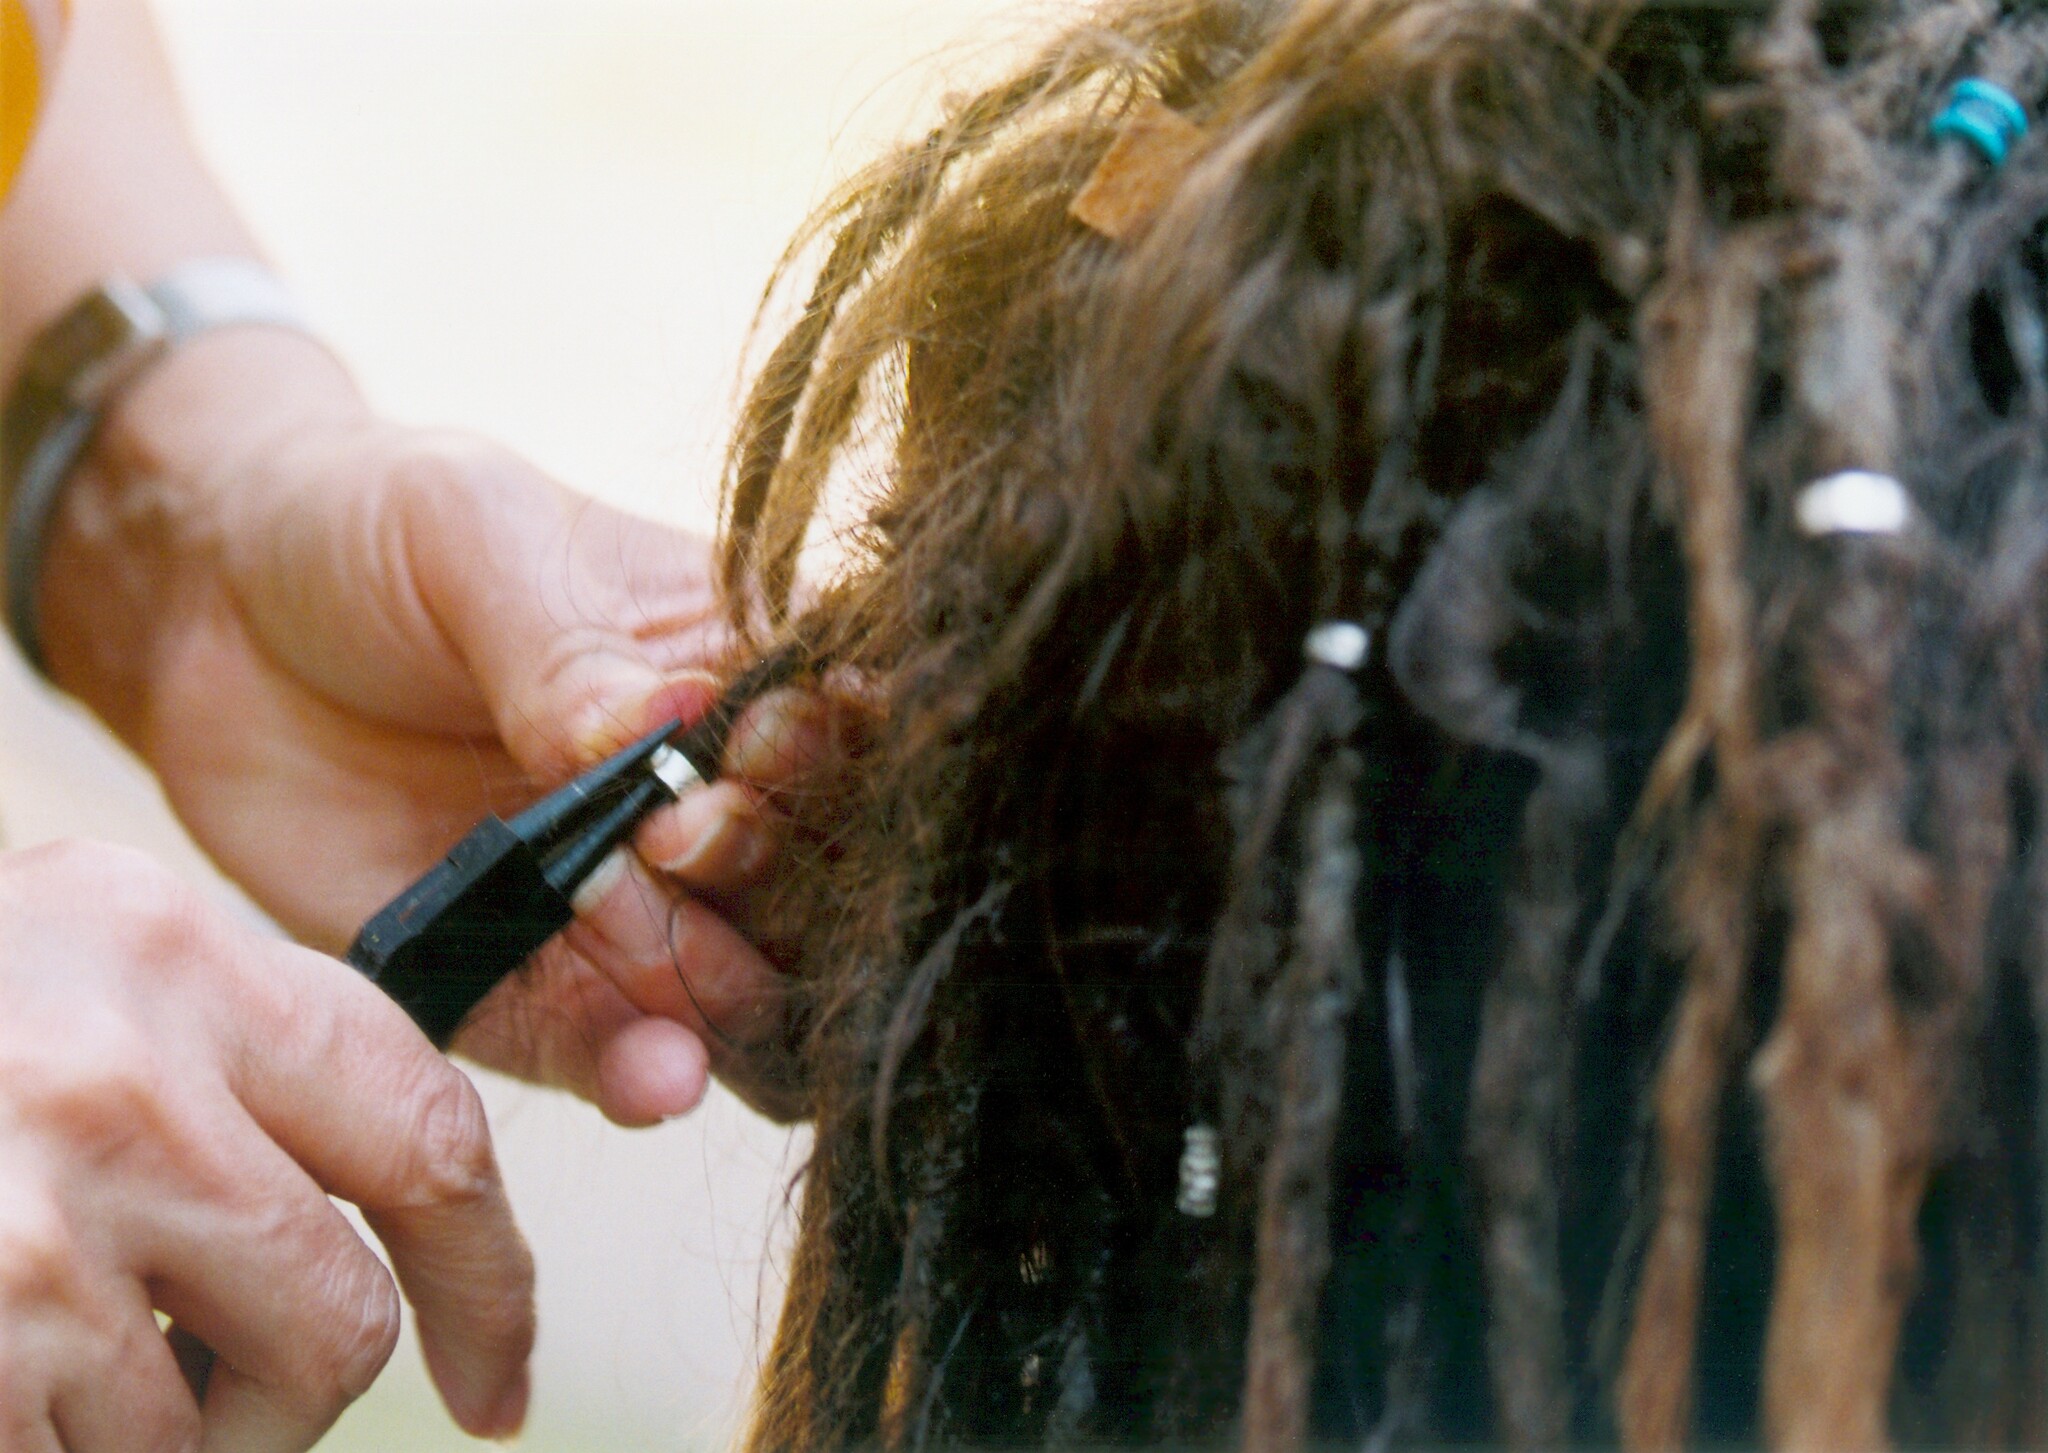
x,y
337,1075
792,744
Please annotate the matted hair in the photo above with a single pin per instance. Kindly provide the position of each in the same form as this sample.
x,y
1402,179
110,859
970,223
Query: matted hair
x,y
1617,1002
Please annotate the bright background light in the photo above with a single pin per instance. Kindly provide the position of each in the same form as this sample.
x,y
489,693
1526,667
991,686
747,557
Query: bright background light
x,y
548,220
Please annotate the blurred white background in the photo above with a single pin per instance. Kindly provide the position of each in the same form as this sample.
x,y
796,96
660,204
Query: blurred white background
x,y
548,220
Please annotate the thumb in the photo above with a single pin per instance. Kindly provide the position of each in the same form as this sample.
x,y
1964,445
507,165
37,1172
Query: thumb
x,y
581,626
436,582
608,703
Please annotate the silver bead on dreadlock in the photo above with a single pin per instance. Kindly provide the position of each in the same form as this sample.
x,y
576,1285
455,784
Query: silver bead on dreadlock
x,y
1854,502
1201,1172
1342,645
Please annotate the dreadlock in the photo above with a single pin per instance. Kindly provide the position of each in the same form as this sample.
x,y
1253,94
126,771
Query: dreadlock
x,y
1598,985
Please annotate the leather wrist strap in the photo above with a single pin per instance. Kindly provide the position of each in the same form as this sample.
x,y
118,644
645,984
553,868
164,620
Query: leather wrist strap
x,y
74,372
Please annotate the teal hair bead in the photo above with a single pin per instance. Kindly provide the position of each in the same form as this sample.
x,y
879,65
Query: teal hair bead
x,y
2010,112
1984,115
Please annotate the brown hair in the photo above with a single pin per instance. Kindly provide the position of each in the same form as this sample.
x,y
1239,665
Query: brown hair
x,y
1617,1002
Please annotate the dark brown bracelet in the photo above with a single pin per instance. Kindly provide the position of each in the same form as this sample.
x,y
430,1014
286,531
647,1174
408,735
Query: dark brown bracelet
x,y
75,370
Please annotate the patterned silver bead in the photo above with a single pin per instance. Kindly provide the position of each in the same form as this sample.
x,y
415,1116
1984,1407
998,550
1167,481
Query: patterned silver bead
x,y
1201,1172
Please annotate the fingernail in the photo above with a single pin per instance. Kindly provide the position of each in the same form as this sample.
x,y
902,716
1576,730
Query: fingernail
x,y
636,704
608,720
598,886
633,920
736,846
782,731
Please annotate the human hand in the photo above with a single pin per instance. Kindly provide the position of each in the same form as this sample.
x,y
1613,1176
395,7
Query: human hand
x,y
340,642
178,1095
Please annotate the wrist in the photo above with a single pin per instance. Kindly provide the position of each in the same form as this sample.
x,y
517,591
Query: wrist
x,y
132,573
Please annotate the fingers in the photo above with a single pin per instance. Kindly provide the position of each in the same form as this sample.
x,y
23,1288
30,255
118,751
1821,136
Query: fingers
x,y
630,1006
549,1024
586,1014
722,838
82,1365
352,1093
652,1070
124,1394
473,1295
690,966
244,1415
715,839
299,1314
784,739
437,582
562,610
672,956
177,1097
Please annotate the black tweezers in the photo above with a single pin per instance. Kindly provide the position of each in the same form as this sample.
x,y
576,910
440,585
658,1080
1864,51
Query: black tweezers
x,y
444,943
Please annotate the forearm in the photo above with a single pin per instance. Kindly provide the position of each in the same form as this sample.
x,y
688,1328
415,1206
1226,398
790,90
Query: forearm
x,y
116,185
113,184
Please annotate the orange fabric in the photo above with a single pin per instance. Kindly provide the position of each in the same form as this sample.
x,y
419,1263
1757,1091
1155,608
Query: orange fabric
x,y
30,31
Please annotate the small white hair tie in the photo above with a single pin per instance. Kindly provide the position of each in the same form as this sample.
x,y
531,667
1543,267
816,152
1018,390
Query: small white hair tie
x,y
1854,502
1341,645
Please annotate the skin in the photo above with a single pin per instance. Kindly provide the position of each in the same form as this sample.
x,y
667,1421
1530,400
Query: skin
x,y
338,642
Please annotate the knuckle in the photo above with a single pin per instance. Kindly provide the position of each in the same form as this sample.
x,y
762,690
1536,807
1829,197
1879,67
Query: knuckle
x,y
71,856
167,925
352,1317
96,1091
120,882
452,1162
108,895
39,1261
125,877
364,1334
442,478
426,477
